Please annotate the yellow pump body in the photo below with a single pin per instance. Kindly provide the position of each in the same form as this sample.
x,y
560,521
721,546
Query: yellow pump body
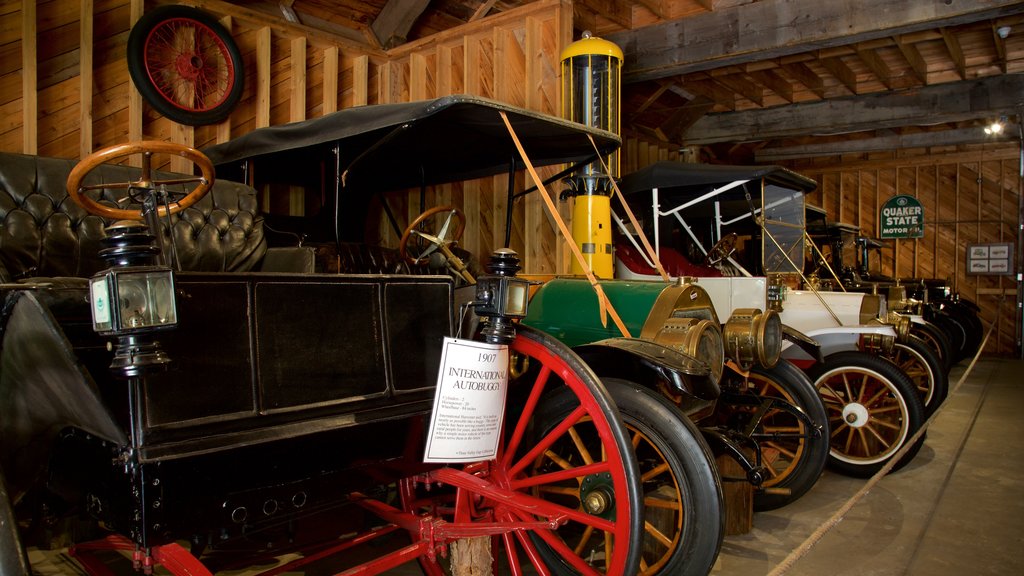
x,y
591,85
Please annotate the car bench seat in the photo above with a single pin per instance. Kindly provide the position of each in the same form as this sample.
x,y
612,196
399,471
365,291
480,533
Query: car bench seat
x,y
44,233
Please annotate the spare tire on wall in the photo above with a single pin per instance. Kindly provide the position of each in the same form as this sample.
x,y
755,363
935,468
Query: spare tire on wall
x,y
186,65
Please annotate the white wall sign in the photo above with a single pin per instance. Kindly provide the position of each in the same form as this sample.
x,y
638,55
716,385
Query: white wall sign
x,y
469,403
993,259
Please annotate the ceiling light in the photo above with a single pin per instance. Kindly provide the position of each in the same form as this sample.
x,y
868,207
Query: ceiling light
x,y
1003,31
996,127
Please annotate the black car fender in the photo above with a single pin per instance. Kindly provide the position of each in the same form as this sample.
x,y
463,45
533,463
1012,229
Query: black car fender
x,y
803,341
685,379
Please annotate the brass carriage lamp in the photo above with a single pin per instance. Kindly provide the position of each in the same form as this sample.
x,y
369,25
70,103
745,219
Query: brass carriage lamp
x,y
501,297
132,300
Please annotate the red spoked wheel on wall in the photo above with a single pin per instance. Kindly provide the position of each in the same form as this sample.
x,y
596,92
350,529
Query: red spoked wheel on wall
x,y
185,64
562,496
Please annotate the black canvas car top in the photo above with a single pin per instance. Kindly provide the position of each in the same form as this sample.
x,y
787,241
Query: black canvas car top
x,y
393,146
678,178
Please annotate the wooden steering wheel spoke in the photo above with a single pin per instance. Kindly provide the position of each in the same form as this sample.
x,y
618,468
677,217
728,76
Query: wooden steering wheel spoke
x,y
76,189
440,241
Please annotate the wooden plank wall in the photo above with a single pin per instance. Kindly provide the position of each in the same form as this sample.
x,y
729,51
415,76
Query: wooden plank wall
x,y
292,73
970,197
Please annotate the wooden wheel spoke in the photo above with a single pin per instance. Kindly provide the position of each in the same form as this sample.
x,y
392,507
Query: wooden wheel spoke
x,y
885,442
654,472
661,503
881,394
885,424
865,378
658,535
582,545
885,410
581,447
780,449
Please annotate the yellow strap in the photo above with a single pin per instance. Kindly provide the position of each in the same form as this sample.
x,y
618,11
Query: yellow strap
x,y
602,299
651,253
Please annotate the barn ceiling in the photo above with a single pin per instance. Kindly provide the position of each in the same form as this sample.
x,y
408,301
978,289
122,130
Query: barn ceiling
x,y
766,80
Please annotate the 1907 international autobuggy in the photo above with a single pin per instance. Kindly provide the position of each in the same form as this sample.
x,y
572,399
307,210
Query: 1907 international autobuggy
x,y
223,412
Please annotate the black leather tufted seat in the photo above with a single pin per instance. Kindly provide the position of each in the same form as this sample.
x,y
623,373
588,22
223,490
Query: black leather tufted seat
x,y
43,232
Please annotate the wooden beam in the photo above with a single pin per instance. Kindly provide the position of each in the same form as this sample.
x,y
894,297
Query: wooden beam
x,y
85,78
298,66
263,43
682,119
1000,45
842,72
950,102
880,143
881,70
315,30
804,75
331,72
135,107
711,90
662,88
773,28
224,126
392,25
774,82
289,12
29,79
955,52
740,84
360,80
913,57
620,13
482,10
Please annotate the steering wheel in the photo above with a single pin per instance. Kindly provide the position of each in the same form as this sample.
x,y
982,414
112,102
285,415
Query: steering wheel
x,y
721,250
440,241
146,148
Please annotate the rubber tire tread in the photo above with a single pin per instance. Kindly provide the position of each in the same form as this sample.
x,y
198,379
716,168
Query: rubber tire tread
x,y
943,348
815,454
679,440
940,382
902,385
137,67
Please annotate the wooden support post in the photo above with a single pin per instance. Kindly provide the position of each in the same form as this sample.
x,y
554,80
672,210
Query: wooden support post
x,y
738,496
472,557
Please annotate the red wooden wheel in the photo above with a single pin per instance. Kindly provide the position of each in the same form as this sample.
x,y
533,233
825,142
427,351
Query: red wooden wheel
x,y
185,64
577,471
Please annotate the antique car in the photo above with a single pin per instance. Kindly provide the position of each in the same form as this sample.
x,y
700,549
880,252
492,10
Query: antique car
x,y
744,228
682,496
175,388
949,324
764,414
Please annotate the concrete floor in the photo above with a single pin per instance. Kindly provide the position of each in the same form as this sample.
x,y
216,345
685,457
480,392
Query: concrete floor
x,y
957,508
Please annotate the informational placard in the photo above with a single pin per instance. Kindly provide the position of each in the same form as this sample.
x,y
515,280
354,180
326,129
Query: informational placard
x,y
469,403
990,259
901,217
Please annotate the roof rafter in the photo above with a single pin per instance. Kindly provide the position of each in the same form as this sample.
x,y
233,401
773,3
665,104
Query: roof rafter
x,y
725,36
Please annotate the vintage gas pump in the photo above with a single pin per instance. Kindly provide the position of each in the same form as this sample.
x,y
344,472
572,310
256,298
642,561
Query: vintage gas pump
x,y
591,84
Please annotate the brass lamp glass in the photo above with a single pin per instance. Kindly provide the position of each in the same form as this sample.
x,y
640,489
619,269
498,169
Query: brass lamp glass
x,y
133,299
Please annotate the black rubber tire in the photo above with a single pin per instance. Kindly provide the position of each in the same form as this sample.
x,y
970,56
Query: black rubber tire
x,y
900,394
919,362
954,331
937,340
974,331
553,409
690,460
140,71
812,454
